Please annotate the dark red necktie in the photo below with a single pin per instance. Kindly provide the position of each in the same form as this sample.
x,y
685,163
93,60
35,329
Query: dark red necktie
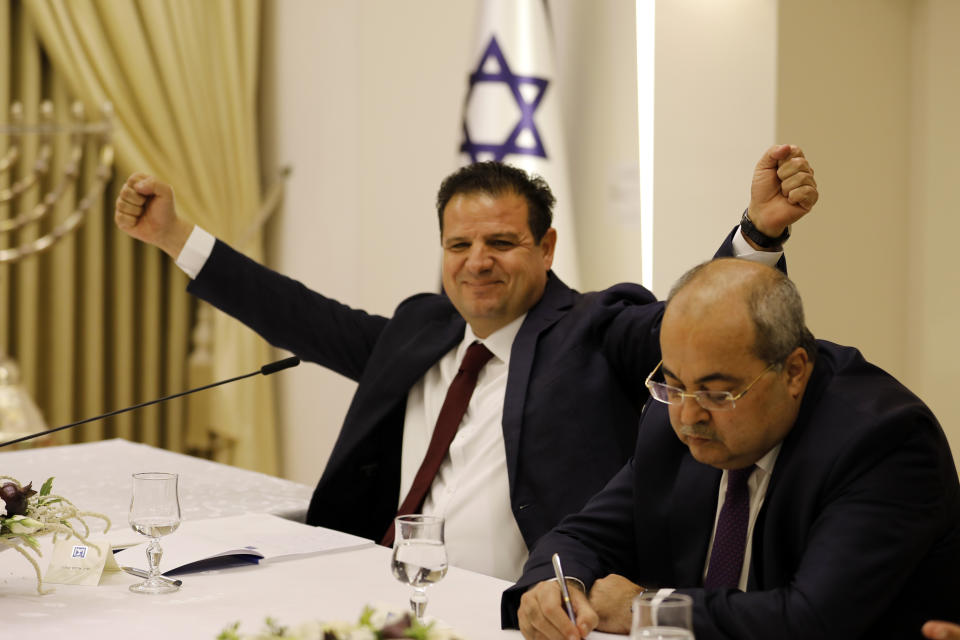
x,y
451,414
730,540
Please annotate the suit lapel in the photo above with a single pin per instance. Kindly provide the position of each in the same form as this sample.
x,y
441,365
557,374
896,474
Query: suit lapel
x,y
785,498
691,519
394,375
412,358
556,301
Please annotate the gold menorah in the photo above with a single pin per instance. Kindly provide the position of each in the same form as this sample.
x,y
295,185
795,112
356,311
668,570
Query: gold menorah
x,y
46,185
79,131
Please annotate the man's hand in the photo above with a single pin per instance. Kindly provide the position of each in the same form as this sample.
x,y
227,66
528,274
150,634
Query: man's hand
x,y
611,598
145,210
783,189
543,616
941,630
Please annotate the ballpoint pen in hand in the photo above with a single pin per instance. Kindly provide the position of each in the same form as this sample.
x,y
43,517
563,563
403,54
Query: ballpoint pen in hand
x,y
563,587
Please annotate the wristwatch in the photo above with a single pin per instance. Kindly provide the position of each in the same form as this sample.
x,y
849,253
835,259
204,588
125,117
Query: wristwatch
x,y
762,239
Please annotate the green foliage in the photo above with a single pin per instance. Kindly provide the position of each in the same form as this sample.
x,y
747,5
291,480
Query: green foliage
x,y
275,628
397,626
230,632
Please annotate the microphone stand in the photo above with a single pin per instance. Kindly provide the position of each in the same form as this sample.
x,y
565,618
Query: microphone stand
x,y
266,370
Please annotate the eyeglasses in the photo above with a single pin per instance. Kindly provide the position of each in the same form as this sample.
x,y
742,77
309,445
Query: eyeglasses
x,y
709,400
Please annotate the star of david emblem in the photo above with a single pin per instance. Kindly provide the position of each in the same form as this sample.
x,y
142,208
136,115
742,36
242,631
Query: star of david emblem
x,y
492,76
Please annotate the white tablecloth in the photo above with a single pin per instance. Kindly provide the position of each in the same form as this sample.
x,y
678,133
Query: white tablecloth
x,y
97,477
329,587
332,586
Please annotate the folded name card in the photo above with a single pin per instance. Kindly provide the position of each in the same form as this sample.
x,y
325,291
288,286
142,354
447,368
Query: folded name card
x,y
77,562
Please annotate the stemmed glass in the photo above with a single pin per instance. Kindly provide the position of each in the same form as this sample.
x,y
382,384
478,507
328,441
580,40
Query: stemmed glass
x,y
154,512
662,617
419,556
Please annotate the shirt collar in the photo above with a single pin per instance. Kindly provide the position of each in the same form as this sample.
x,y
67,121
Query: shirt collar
x,y
499,342
767,461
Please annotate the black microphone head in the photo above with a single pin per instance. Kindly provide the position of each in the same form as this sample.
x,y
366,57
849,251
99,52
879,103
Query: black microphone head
x,y
279,365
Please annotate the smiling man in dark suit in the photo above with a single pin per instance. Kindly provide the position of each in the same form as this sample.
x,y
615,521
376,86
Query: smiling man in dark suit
x,y
789,487
554,411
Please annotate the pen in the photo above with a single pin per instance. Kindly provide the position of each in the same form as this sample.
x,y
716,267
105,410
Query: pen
x,y
563,587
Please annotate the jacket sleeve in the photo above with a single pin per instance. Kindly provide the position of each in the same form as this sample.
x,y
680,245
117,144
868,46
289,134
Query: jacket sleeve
x,y
286,313
726,250
599,536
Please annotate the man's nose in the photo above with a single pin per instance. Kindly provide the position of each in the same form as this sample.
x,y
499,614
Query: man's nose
x,y
691,412
479,258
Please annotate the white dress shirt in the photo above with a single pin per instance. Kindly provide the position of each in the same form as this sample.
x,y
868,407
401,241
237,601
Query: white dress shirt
x,y
471,489
196,251
742,249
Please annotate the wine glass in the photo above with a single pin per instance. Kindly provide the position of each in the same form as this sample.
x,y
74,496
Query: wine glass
x,y
154,512
419,557
662,617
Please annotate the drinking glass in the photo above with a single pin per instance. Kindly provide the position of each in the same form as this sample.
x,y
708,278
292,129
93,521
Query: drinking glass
x,y
662,617
154,512
419,557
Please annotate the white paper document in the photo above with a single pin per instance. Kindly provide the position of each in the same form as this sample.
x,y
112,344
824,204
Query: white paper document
x,y
220,542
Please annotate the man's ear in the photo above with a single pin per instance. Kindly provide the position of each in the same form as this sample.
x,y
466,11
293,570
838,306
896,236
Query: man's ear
x,y
547,244
798,368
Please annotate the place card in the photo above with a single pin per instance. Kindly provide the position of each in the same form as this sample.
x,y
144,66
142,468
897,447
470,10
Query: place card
x,y
77,562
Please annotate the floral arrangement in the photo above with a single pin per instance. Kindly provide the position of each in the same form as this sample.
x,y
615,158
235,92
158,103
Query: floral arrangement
x,y
26,514
374,624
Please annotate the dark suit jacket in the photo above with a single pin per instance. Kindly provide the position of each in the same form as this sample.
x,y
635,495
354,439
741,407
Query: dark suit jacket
x,y
858,535
574,389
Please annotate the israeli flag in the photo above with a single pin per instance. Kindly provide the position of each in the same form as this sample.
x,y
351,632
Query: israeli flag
x,y
512,109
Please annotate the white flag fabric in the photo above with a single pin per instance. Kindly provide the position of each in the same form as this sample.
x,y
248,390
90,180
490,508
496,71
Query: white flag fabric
x,y
512,109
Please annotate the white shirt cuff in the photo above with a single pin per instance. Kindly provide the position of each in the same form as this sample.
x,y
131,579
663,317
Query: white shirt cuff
x,y
196,251
577,581
742,249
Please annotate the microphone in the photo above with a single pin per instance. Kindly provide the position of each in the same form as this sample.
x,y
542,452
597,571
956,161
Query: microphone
x,y
266,370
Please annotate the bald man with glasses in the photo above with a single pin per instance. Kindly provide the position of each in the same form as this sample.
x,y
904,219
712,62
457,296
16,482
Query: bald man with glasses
x,y
788,486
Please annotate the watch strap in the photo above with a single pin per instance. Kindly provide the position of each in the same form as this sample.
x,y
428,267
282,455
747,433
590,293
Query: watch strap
x,y
762,239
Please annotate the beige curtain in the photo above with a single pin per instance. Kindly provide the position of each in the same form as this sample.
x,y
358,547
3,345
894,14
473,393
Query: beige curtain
x,y
87,338
182,78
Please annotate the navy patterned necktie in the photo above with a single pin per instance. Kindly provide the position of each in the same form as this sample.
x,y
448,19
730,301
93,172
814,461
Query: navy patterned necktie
x,y
451,414
730,539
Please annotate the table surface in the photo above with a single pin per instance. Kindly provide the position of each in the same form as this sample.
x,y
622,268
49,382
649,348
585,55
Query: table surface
x,y
332,586
96,476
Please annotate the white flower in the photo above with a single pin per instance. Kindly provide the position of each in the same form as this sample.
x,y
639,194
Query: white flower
x,y
443,633
371,622
379,617
363,633
384,614
3,508
312,630
22,525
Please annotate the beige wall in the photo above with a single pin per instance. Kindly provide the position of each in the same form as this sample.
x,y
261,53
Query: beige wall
x,y
714,91
933,219
596,62
871,89
845,100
